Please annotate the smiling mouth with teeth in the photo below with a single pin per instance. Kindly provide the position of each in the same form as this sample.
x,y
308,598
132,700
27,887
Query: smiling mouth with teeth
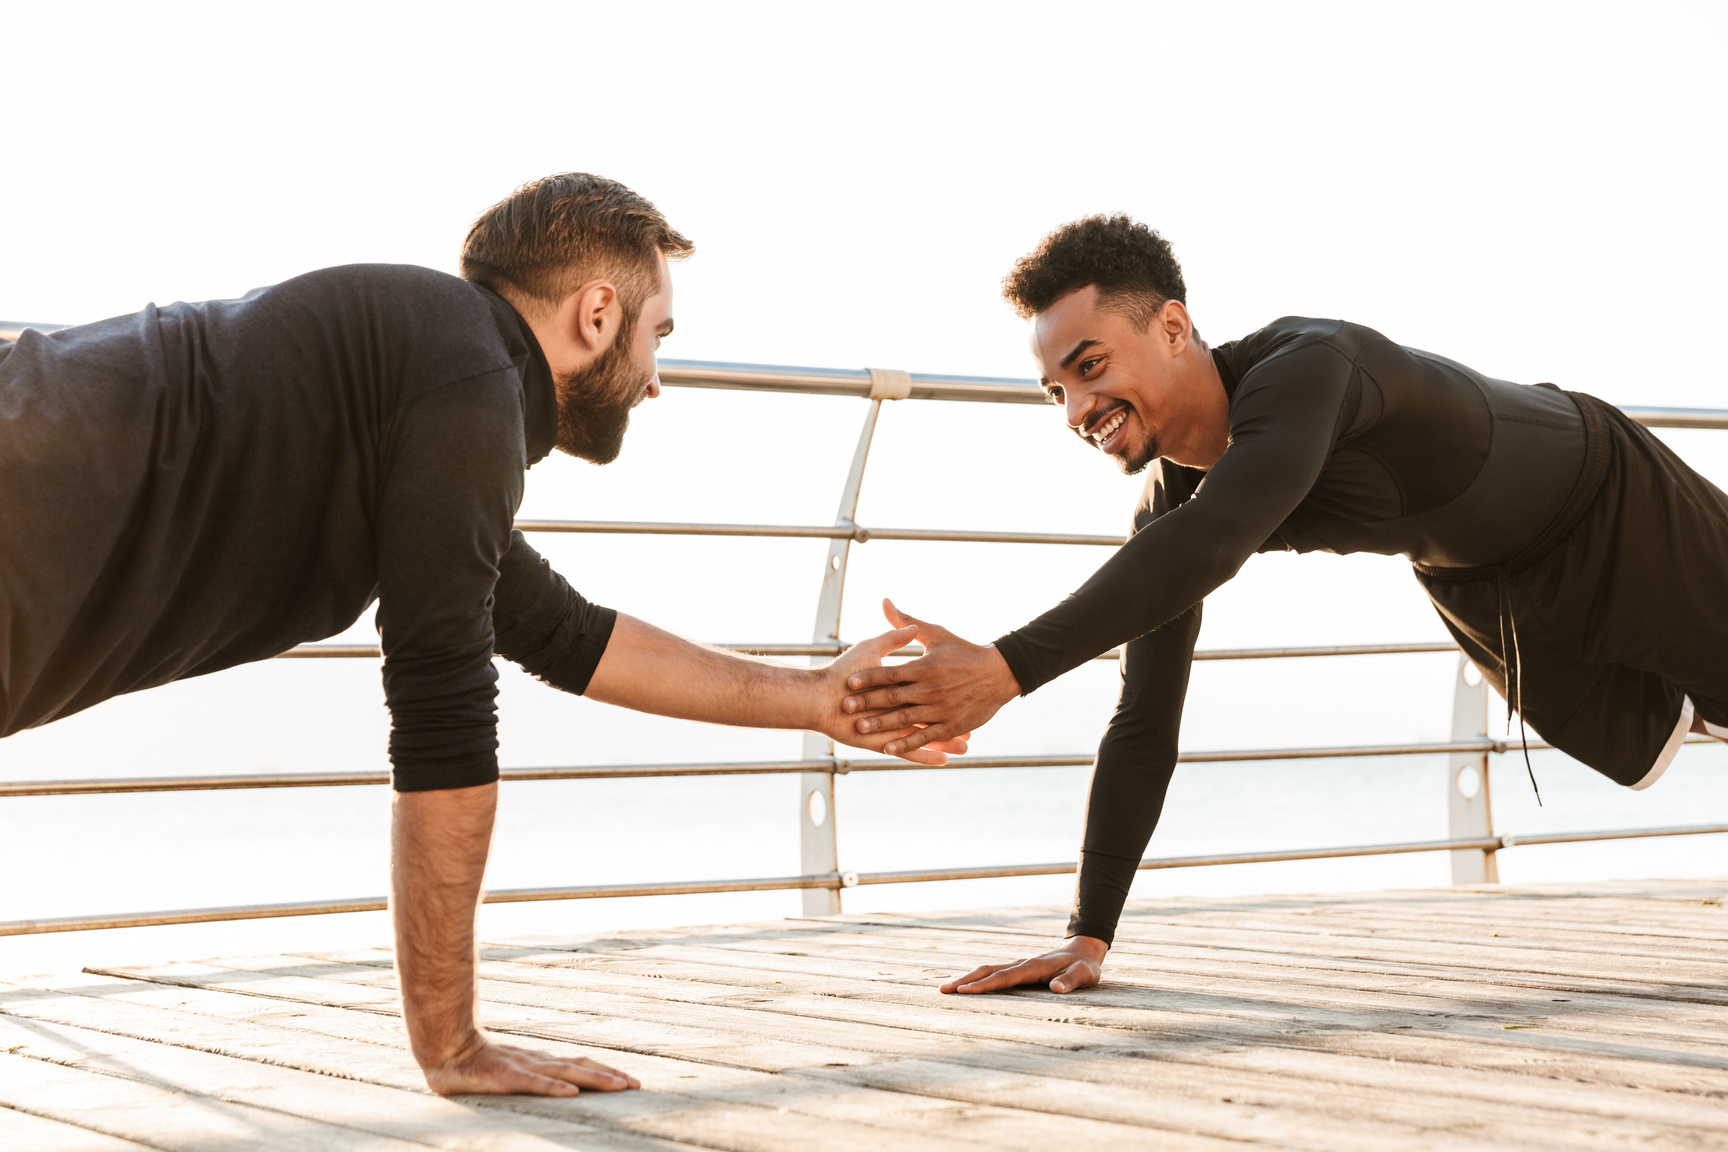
x,y
1106,428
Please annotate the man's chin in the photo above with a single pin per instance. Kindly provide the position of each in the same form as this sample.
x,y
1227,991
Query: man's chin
x,y
1134,463
595,444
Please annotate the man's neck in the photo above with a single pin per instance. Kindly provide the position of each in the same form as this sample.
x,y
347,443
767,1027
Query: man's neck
x,y
1207,419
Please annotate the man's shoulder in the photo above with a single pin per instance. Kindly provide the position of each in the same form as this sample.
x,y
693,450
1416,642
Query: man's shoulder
x,y
405,284
1288,335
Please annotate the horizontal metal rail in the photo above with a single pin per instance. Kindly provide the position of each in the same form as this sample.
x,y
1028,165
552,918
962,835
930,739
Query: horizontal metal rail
x,y
839,765
1001,390
830,880
854,532
1485,844
351,651
844,382
931,386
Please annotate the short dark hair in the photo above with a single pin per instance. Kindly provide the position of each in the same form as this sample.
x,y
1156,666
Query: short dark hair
x,y
551,236
1132,265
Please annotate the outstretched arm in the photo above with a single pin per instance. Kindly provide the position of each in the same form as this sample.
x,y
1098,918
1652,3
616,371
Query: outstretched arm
x,y
650,670
548,628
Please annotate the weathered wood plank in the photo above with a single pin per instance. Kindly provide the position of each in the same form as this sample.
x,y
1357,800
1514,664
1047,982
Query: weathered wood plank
x,y
1126,1002
26,1133
1594,1020
885,1114
1705,979
1210,975
54,1084
1098,1062
200,1065
1266,1021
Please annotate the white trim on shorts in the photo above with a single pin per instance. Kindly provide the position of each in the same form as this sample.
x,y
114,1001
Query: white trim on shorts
x,y
1666,756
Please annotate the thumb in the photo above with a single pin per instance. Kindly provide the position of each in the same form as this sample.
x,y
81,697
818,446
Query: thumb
x,y
1069,978
896,617
880,646
931,633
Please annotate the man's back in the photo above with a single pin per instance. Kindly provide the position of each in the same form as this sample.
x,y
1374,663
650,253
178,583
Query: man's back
x,y
196,486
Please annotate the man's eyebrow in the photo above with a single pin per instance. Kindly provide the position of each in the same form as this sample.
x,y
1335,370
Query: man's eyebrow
x,y
1075,355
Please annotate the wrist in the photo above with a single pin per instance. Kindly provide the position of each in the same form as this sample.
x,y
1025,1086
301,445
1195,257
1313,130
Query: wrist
x,y
816,694
1003,681
1090,947
448,1051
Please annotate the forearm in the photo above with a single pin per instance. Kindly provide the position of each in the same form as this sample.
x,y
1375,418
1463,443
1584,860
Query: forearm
x,y
438,846
1136,760
650,670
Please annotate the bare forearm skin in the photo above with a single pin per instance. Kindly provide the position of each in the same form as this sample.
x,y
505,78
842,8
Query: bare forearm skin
x,y
438,846
648,669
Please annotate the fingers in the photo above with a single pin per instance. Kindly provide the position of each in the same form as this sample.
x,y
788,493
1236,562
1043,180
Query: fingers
x,y
977,973
502,1069
879,677
917,738
578,1072
876,699
999,976
608,1073
954,747
898,718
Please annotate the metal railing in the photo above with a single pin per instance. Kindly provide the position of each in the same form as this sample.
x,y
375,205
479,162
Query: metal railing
x,y
1472,841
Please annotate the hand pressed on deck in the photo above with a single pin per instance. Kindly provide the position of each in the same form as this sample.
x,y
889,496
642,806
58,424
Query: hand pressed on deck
x,y
438,846
1079,963
502,1069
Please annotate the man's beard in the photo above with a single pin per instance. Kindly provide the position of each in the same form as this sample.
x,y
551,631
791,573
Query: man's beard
x,y
594,404
1134,463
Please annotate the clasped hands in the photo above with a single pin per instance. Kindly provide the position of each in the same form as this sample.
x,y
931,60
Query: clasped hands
x,y
930,704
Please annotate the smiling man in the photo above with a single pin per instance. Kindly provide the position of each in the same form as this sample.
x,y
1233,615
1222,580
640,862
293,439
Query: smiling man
x,y
1578,562
200,485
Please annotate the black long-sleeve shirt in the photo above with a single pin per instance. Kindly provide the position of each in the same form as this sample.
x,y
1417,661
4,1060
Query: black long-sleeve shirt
x,y
196,486
1340,441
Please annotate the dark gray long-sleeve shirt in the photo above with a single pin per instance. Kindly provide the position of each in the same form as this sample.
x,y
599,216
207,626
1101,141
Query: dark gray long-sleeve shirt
x,y
196,486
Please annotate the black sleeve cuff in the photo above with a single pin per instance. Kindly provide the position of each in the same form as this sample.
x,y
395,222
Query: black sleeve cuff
x,y
1013,650
1100,892
469,772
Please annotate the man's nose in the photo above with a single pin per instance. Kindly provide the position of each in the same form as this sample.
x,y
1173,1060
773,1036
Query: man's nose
x,y
654,386
1077,408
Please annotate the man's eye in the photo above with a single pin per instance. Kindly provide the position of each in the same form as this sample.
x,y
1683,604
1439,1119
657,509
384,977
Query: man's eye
x,y
1086,366
1055,395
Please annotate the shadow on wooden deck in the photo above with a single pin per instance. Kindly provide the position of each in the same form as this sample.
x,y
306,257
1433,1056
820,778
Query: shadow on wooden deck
x,y
1565,1017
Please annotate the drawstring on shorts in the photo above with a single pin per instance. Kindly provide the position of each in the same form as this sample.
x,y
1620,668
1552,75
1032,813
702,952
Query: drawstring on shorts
x,y
1514,673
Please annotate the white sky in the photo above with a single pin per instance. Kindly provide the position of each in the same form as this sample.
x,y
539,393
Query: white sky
x,y
1533,189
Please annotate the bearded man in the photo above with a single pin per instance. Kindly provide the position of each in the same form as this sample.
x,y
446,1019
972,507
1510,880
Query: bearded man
x,y
200,485
1577,561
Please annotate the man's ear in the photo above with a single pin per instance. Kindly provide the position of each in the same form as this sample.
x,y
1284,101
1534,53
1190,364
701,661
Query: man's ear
x,y
1173,323
590,316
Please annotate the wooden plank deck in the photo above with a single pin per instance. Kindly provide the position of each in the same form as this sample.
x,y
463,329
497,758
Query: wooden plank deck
x,y
1582,1017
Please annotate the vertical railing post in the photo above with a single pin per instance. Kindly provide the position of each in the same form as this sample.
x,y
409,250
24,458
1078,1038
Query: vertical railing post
x,y
818,847
1468,815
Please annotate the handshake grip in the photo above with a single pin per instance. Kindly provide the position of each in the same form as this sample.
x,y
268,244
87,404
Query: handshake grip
x,y
938,698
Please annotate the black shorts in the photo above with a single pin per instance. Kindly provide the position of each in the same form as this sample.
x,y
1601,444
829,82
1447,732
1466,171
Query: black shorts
x,y
1620,608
